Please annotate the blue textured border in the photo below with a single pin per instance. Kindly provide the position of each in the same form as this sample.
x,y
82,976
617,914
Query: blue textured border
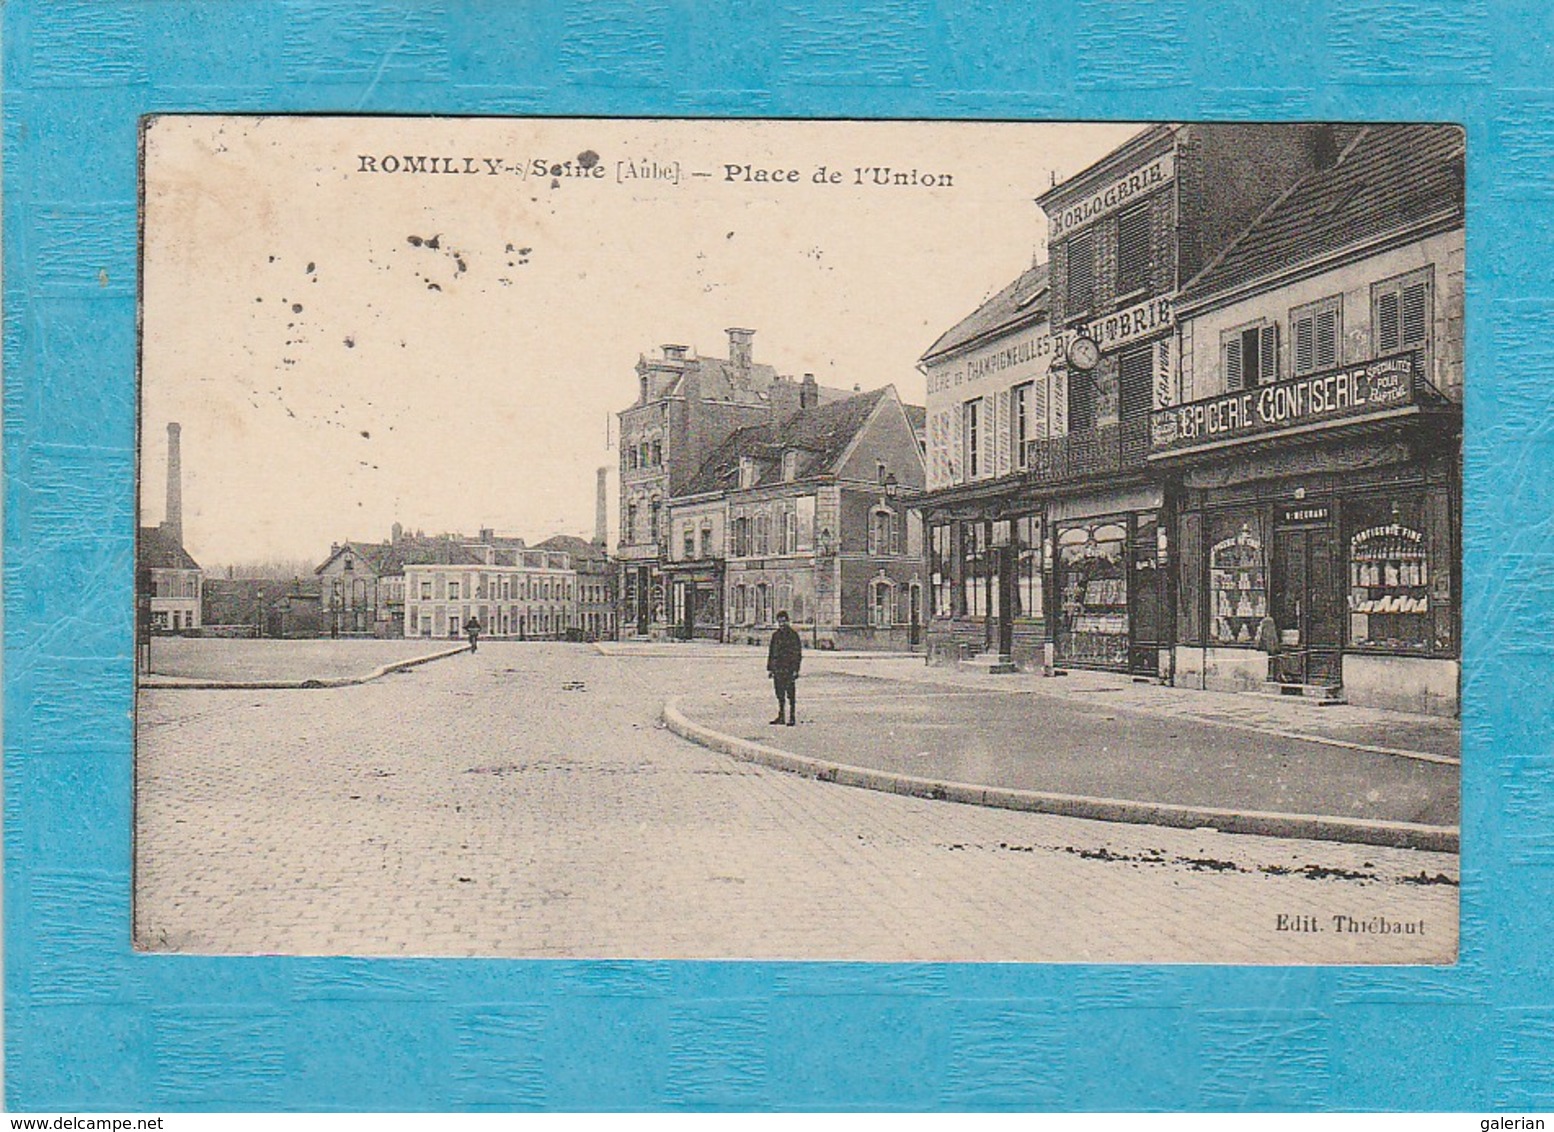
x,y
90,1025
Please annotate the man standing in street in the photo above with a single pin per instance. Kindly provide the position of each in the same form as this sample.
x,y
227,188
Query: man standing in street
x,y
782,665
472,631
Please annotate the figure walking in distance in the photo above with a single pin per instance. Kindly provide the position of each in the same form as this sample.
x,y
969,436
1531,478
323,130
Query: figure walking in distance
x,y
782,665
472,631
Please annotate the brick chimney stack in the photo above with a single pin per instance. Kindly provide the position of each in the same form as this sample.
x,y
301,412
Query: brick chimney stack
x,y
601,516
739,350
809,392
173,523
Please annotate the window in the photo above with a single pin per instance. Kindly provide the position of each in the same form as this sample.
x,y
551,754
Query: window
x,y
762,535
658,453
653,521
1081,400
973,421
974,569
746,471
629,527
1080,296
1133,250
1401,313
940,564
1027,567
882,605
453,591
790,466
1136,375
706,542
690,543
790,532
1020,421
741,536
882,533
1251,355
1317,330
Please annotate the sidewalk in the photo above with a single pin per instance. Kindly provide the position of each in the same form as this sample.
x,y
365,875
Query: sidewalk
x,y
257,665
1097,745
1424,737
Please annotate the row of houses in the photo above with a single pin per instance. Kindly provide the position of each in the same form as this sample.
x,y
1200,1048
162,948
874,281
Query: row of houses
x,y
412,585
745,493
1224,409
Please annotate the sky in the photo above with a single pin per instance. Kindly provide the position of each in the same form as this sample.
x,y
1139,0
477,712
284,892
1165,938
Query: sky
x,y
347,343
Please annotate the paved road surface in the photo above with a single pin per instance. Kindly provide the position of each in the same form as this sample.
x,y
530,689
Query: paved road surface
x,y
523,801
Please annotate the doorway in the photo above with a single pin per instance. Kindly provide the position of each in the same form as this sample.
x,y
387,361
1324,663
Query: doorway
x,y
1304,606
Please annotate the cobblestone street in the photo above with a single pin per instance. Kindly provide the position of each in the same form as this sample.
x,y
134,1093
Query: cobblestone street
x,y
525,802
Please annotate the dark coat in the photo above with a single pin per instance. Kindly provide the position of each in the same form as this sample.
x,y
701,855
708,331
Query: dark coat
x,y
786,652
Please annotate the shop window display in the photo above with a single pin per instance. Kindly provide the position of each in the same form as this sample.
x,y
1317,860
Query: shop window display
x,y
1093,615
1389,595
1238,588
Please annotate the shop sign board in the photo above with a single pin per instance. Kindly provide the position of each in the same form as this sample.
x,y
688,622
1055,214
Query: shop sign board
x,y
1370,388
1111,196
1113,331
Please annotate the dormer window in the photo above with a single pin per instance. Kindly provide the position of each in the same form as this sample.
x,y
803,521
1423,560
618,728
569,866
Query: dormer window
x,y
746,471
790,466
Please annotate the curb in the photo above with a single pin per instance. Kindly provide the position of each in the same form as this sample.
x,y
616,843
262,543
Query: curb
x,y
271,685
1398,835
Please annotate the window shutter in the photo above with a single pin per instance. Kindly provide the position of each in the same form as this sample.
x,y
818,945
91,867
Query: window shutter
x,y
1233,363
1415,305
1305,350
1081,275
1132,250
1268,354
1325,333
1136,376
1387,327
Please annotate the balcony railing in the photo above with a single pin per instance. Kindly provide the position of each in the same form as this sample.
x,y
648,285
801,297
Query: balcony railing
x,y
1100,451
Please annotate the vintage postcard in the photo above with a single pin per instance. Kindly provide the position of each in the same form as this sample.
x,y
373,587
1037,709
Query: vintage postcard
x,y
800,540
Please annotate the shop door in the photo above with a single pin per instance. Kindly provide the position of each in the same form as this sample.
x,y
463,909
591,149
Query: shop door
x,y
1305,606
685,604
644,599
1147,613
1005,605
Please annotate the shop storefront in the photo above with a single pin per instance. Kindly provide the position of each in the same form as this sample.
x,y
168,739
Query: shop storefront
x,y
1109,588
695,601
1346,537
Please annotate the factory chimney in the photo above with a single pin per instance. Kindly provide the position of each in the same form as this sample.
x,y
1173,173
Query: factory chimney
x,y
173,523
601,518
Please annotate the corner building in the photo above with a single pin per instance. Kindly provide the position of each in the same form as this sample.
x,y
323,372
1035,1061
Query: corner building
x,y
1315,447
687,405
1049,530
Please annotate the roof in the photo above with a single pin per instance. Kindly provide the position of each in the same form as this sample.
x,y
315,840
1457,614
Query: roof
x,y
578,548
821,435
385,559
1388,179
721,380
160,551
917,417
1023,301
